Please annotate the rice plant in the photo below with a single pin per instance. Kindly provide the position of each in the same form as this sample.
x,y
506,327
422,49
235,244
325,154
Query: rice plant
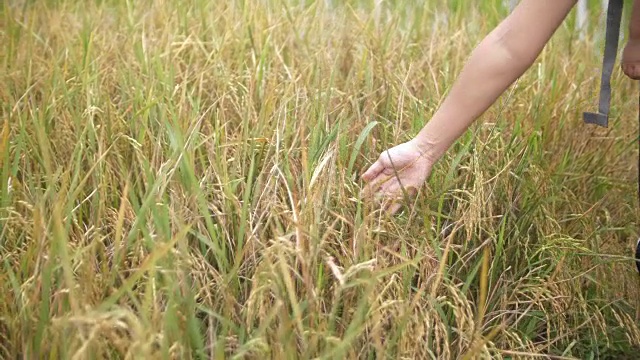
x,y
181,179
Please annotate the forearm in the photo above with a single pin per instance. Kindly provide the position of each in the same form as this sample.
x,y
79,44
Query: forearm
x,y
488,72
631,53
502,57
634,22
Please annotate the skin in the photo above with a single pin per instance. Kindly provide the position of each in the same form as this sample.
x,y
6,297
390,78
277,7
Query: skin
x,y
498,61
631,54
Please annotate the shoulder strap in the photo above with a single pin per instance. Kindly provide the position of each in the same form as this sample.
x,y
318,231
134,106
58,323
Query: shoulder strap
x,y
612,36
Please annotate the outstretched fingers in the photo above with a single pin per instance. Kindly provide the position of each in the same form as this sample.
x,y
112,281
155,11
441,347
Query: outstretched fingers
x,y
393,207
373,171
375,177
391,187
394,196
394,202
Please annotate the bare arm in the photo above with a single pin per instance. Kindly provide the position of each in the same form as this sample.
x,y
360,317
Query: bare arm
x,y
631,54
503,56
634,23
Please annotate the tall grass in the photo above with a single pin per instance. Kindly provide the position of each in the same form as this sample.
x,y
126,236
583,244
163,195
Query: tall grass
x,y
180,179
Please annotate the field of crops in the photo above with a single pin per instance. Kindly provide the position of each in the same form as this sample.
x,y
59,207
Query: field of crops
x,y
181,179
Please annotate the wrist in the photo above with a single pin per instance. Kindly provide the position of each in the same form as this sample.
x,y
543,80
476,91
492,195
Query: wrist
x,y
429,148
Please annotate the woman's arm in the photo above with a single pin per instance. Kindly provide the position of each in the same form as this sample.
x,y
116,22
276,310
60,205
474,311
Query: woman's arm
x,y
631,54
503,56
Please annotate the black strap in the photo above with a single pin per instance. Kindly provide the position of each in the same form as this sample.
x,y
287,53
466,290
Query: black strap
x,y
612,36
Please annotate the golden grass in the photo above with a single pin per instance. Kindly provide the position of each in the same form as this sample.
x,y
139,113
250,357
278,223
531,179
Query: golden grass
x,y
180,179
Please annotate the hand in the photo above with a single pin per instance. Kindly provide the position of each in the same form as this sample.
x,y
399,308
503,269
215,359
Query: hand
x,y
631,59
402,167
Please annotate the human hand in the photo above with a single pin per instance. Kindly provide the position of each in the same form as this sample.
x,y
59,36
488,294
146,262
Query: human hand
x,y
631,59
399,171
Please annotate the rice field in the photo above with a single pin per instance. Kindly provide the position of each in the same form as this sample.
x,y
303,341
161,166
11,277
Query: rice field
x,y
181,180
